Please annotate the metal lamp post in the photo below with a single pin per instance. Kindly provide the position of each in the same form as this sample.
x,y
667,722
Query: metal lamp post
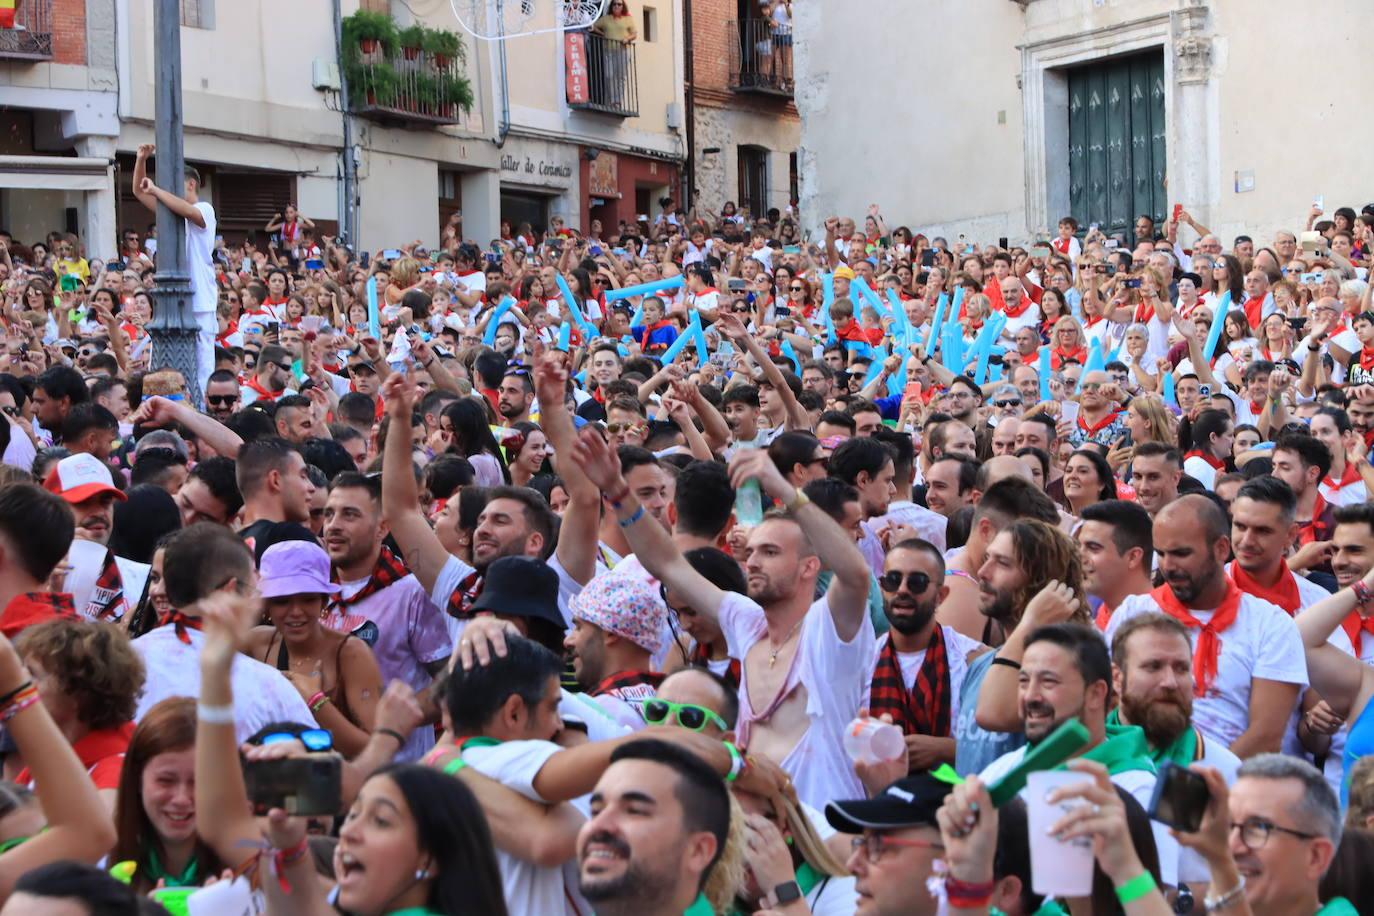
x,y
173,327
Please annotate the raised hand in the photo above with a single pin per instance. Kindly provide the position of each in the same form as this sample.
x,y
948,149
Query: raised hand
x,y
399,394
755,463
598,461
1055,603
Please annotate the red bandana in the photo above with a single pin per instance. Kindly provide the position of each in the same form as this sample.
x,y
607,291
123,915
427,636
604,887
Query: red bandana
x,y
107,598
32,608
1104,616
263,393
1100,425
1349,476
1208,457
701,658
182,624
623,680
1144,313
1026,302
1355,627
460,602
1208,648
1366,358
1284,592
1315,529
925,709
387,571
1254,308
1059,356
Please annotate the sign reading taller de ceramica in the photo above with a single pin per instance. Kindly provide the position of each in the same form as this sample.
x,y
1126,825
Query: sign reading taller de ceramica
x,y
538,164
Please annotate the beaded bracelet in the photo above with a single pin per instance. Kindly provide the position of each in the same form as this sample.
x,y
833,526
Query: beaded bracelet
x,y
1139,886
23,702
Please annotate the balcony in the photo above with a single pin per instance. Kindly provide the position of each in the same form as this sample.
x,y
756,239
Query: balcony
x,y
601,74
26,33
408,90
760,58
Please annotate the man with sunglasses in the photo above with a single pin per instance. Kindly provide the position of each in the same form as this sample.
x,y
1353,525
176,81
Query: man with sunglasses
x,y
222,398
896,840
919,664
272,377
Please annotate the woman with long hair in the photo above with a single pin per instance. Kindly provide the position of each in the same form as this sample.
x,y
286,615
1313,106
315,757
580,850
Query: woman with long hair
x,y
1052,307
155,810
1227,275
1067,344
1276,338
1149,420
404,276
1206,445
781,845
526,451
1088,479
464,425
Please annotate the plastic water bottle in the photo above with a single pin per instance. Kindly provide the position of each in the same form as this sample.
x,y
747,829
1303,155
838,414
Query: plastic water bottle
x,y
749,504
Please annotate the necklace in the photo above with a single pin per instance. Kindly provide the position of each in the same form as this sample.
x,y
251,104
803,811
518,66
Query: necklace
x,y
773,655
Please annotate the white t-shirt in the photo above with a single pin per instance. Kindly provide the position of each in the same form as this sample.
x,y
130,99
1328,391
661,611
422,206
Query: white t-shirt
x,y
1030,318
1263,642
1140,784
262,695
1348,494
531,890
957,649
833,673
200,249
1200,471
928,524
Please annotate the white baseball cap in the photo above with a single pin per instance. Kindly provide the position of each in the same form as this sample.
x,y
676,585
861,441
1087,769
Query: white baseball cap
x,y
77,478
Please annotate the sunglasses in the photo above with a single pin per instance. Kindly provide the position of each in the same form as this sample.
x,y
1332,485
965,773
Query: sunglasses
x,y
798,289
314,739
617,428
916,582
1012,403
687,715
221,400
10,411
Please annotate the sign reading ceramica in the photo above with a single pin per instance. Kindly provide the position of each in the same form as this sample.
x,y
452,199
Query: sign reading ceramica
x,y
544,165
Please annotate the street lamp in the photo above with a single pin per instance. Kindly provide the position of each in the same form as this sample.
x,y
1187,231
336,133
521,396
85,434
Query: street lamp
x,y
173,327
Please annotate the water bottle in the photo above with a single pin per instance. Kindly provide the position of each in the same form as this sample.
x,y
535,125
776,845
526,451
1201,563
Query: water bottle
x,y
748,504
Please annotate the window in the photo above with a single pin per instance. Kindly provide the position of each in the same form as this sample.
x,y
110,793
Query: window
x,y
650,24
753,179
198,14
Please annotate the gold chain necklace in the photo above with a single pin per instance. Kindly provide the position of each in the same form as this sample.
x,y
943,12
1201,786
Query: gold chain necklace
x,y
773,656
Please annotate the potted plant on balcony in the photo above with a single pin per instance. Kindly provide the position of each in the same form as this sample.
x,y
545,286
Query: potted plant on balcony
x,y
412,39
455,92
369,31
372,85
424,95
443,47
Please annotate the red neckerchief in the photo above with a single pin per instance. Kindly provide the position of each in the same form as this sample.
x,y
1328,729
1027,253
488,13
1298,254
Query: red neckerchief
x,y
1366,358
925,709
263,393
1208,648
1088,323
108,594
1059,356
1026,303
1355,627
1208,457
1062,245
1314,529
1100,425
1348,476
1256,407
1144,313
269,302
1187,310
32,608
491,394
1104,616
460,602
91,748
387,571
229,331
182,624
1284,592
701,658
624,679
1254,311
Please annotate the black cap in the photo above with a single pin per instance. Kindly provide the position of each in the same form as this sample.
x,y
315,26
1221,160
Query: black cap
x,y
521,587
363,364
909,802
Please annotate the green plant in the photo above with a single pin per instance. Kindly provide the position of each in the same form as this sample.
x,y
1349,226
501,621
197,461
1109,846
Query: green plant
x,y
445,44
411,39
426,90
373,84
455,90
370,26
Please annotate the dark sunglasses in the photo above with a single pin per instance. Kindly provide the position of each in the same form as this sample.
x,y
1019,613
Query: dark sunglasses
x,y
221,399
916,582
1008,403
798,289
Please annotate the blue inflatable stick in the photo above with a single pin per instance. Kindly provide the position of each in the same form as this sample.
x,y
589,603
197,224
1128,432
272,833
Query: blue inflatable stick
x,y
489,336
374,319
565,336
791,354
645,289
1045,372
1218,322
1168,389
575,309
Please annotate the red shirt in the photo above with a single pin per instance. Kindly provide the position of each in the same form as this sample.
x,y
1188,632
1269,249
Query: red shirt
x,y
32,608
102,754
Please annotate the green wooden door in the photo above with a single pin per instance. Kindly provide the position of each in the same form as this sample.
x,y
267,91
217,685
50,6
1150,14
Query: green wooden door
x,y
1116,142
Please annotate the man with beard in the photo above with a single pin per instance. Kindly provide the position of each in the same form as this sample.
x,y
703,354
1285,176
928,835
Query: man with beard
x,y
652,487
1302,462
1032,577
1115,547
867,465
103,586
514,397
659,821
950,484
222,395
618,625
1156,469
918,665
271,377
1248,666
515,522
378,598
806,655
1152,674
1066,674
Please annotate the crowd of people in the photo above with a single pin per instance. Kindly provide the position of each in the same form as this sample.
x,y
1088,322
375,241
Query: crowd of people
x,y
710,570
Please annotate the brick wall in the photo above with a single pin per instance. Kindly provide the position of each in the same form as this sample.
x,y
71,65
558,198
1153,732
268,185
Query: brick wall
x,y
711,38
69,30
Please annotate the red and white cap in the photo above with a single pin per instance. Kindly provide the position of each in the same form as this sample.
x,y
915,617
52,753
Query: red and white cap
x,y
77,478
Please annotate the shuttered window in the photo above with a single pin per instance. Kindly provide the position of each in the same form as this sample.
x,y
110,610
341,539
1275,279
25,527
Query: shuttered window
x,y
245,200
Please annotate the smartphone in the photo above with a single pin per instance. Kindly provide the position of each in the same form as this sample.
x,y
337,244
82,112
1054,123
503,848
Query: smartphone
x,y
1109,269
1044,254
1319,202
1092,227
595,250
791,249
1313,277
1204,390
311,324
1180,798
219,241
1133,283
492,258
391,254
1068,411
314,264
1297,324
912,393
1002,242
307,786
1112,243
1178,212
1311,241
556,244
364,259
274,327
928,258
737,284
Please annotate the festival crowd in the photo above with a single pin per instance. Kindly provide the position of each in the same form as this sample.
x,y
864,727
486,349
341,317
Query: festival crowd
x,y
712,569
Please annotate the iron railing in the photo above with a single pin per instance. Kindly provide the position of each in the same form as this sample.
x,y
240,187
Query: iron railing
x,y
409,86
760,57
29,36
612,78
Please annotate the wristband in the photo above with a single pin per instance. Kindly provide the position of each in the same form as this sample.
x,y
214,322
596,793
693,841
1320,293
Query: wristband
x,y
799,499
316,697
737,762
281,858
215,715
21,703
618,498
1134,889
638,514
9,697
1363,596
392,733
999,660
966,895
317,705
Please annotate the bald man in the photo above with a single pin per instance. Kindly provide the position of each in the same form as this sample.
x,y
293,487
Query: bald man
x,y
1246,688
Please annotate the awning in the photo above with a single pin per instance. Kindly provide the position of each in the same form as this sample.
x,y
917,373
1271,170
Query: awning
x,y
54,173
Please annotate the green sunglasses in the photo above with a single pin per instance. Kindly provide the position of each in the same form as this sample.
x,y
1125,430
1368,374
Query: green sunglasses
x,y
688,715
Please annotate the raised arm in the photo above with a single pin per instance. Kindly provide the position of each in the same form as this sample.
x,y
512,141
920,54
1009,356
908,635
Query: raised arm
x,y
649,541
1342,680
997,709
443,379
141,172
848,595
730,326
158,411
420,546
1201,365
176,204
577,540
